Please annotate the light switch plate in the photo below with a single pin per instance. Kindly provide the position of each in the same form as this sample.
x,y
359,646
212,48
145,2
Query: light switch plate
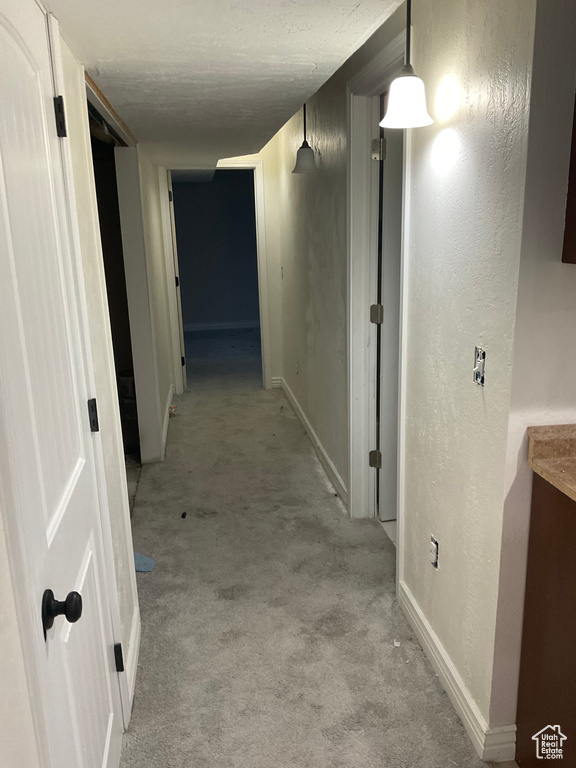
x,y
479,365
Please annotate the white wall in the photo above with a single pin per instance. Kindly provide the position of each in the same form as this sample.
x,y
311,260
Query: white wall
x,y
544,363
465,199
465,216
146,262
306,226
103,357
276,238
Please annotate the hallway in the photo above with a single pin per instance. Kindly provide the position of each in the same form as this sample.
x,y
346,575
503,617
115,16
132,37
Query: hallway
x,y
270,619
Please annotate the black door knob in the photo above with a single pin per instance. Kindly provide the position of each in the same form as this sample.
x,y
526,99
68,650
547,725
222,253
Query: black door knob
x,y
71,608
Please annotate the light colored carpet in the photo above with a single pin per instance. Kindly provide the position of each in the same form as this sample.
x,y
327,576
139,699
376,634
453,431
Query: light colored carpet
x,y
270,619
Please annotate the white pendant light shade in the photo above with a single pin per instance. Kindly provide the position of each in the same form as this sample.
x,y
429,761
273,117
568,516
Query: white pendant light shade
x,y
305,159
407,102
305,162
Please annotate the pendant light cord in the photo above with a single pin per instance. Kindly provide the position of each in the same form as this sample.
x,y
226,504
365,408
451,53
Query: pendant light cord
x,y
408,30
304,109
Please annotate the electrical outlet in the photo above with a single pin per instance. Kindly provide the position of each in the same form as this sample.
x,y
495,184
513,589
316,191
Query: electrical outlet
x,y
479,365
297,368
433,552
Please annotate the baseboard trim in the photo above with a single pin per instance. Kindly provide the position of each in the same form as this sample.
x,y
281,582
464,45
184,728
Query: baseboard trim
x,y
329,468
132,660
225,325
276,382
495,744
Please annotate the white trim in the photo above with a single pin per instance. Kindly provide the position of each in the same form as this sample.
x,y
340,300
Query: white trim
x,y
131,664
167,418
276,382
171,280
144,356
492,743
363,92
376,75
329,468
178,319
404,283
255,164
224,325
102,108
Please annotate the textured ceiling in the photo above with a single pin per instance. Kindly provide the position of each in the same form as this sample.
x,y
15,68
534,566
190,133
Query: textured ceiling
x,y
199,80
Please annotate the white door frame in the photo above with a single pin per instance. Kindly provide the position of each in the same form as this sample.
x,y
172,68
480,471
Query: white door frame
x,y
152,404
363,96
255,164
171,266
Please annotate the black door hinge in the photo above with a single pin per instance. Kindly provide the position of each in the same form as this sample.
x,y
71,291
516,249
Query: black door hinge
x,y
183,359
177,281
118,657
170,195
375,459
60,116
93,415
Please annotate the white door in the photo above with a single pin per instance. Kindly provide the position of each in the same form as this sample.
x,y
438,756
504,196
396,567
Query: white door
x,y
390,329
47,460
177,276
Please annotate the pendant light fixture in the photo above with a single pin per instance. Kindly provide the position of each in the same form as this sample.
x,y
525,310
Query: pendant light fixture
x,y
305,157
407,97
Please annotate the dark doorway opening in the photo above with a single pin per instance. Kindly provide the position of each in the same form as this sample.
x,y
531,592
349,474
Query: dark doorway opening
x,y
103,143
215,224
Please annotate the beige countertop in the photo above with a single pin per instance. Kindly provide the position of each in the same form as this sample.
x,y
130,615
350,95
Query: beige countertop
x,y
552,455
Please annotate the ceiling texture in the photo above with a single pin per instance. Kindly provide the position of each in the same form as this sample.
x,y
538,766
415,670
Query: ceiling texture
x,y
200,80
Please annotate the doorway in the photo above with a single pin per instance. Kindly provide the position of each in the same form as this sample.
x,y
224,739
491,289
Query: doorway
x,y
218,255
375,287
103,141
388,321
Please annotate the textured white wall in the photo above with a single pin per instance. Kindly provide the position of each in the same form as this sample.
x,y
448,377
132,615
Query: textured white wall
x,y
544,363
465,219
306,232
102,352
276,235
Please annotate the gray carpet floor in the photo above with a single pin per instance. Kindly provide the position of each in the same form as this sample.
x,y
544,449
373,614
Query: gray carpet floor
x,y
270,619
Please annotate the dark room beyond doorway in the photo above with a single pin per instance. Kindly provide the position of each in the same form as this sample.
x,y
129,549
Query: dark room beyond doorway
x,y
216,236
113,258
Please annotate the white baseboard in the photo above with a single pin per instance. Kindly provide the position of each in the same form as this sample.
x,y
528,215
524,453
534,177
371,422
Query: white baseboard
x,y
131,664
276,382
224,325
329,468
495,744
